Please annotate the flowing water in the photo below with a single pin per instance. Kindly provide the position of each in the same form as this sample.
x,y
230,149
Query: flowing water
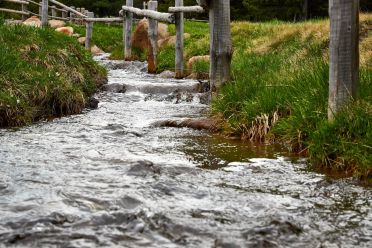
x,y
109,178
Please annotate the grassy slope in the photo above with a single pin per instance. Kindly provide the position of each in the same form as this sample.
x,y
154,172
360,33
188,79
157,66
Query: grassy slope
x,y
281,84
280,88
43,74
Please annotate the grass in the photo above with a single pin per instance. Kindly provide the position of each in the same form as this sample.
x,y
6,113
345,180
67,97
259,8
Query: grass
x,y
280,93
43,74
279,90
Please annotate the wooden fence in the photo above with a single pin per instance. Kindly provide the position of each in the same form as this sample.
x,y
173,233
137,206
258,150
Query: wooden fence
x,y
175,15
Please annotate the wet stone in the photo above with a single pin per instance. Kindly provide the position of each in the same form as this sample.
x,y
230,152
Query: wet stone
x,y
143,168
92,103
114,88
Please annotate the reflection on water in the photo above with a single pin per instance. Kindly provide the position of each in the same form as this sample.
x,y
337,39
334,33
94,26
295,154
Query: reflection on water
x,y
107,178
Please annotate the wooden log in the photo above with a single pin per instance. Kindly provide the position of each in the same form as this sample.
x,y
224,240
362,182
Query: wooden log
x,y
179,40
188,9
67,8
158,16
109,19
203,3
33,2
13,11
128,32
220,45
44,13
17,1
153,39
89,31
344,54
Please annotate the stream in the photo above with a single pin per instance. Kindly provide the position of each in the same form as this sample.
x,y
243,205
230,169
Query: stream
x,y
110,178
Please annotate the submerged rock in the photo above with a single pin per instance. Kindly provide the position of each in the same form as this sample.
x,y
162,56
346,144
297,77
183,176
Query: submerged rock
x,y
114,88
167,74
143,168
199,124
92,103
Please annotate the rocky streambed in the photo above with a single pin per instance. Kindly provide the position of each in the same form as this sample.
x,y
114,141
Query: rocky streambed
x,y
113,178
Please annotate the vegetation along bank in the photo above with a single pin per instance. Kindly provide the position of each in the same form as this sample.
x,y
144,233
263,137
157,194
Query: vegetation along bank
x,y
43,74
280,88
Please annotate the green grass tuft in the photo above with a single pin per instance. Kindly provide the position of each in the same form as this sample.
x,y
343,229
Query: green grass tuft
x,y
43,74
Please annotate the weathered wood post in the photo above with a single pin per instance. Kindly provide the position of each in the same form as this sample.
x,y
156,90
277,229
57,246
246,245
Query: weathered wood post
x,y
24,9
44,13
344,54
64,14
89,31
220,44
41,9
128,32
54,11
72,15
144,5
179,20
153,39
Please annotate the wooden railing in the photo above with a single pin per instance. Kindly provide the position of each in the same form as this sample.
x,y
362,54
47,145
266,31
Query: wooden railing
x,y
82,16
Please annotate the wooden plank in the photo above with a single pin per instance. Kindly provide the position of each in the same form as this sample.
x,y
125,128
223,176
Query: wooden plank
x,y
89,31
179,19
111,19
67,8
220,45
44,13
188,9
17,1
344,54
128,32
13,11
158,16
153,39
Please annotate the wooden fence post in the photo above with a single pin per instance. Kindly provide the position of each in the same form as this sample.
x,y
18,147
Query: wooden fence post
x,y
220,44
153,39
128,32
54,11
89,31
40,9
44,11
72,15
24,9
64,14
179,20
344,54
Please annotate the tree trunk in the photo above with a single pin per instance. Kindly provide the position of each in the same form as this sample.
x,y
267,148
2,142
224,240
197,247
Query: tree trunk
x,y
220,44
305,10
344,54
